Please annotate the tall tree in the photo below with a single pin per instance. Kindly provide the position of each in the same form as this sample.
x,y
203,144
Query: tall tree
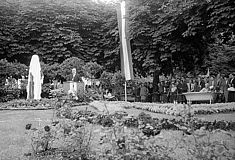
x,y
164,33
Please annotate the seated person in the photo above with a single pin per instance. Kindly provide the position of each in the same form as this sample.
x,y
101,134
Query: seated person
x,y
206,88
108,95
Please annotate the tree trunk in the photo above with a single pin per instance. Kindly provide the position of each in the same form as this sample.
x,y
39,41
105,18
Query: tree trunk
x,y
156,96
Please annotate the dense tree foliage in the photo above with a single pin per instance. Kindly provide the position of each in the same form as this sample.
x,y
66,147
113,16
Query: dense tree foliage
x,y
92,70
15,69
182,31
49,29
67,65
8,69
191,35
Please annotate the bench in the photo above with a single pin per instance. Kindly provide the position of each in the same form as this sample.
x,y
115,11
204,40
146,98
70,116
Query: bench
x,y
200,96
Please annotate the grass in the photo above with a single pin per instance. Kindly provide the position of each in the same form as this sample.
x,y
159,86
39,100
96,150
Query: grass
x,y
14,142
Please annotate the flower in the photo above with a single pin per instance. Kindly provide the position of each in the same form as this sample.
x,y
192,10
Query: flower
x,y
47,128
54,123
28,126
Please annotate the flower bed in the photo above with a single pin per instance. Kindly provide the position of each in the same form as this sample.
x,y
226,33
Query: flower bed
x,y
213,108
119,136
181,109
106,106
145,122
42,104
28,104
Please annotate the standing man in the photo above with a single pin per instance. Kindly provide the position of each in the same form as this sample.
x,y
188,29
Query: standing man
x,y
150,92
137,92
184,85
161,90
189,85
143,92
73,85
75,77
212,83
224,87
184,89
232,81
217,82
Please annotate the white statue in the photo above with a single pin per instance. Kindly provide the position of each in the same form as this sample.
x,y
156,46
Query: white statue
x,y
34,86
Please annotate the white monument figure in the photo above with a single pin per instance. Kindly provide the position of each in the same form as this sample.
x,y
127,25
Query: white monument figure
x,y
34,86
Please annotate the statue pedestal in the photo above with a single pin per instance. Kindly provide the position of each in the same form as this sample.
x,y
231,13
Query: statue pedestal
x,y
70,85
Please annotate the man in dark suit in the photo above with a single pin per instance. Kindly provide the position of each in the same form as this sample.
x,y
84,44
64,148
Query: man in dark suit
x,y
73,85
224,87
201,83
75,77
231,92
184,88
232,82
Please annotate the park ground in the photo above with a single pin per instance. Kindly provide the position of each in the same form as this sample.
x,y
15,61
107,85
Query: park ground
x,y
13,139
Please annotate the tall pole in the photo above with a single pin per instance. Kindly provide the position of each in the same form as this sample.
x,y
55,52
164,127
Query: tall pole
x,y
125,93
125,47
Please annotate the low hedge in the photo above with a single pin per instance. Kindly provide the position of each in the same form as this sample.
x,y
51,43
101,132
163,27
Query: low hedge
x,y
10,94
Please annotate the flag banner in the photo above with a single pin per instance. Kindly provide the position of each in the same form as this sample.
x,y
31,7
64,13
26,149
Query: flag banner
x,y
123,27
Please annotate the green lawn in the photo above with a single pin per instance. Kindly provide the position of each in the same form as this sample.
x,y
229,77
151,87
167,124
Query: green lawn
x,y
13,140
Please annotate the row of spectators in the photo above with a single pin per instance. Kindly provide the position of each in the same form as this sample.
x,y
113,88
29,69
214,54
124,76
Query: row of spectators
x,y
14,83
172,89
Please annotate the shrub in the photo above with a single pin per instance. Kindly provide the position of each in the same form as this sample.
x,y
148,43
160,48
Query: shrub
x,y
91,69
41,138
23,103
50,71
10,94
88,96
106,79
68,65
11,69
74,137
46,89
64,110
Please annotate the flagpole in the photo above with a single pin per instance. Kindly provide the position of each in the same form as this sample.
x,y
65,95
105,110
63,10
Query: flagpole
x,y
125,93
125,48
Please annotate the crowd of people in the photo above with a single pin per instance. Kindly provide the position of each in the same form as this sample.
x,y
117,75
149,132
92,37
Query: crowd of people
x,y
170,90
14,83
